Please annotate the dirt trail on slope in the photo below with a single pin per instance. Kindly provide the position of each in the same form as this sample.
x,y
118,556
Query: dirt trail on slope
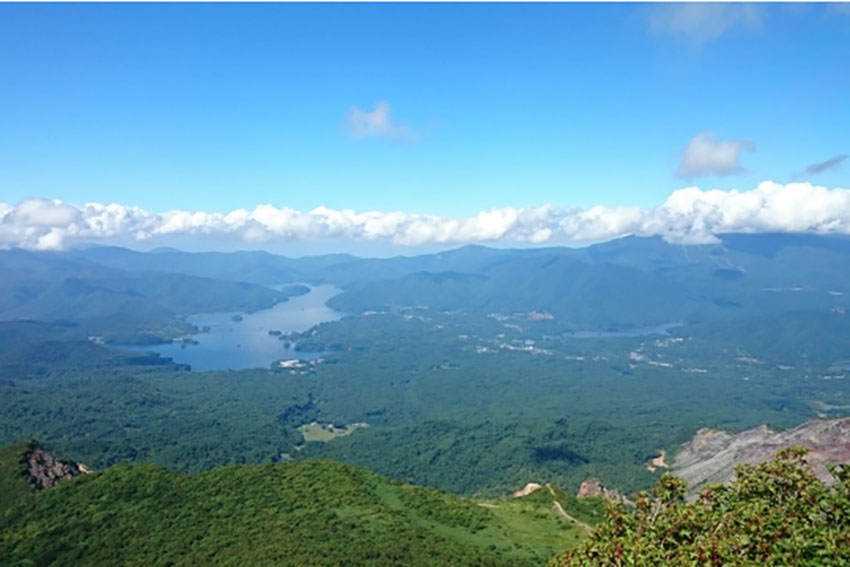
x,y
563,513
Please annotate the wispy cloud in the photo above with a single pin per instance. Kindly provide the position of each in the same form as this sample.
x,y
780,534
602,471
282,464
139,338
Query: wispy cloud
x,y
705,156
377,122
689,215
699,23
821,166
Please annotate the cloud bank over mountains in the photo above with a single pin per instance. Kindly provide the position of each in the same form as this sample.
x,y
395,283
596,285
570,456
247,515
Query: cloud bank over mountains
x,y
689,216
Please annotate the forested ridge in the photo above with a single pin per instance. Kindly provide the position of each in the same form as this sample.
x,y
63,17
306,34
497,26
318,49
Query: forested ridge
x,y
326,513
312,513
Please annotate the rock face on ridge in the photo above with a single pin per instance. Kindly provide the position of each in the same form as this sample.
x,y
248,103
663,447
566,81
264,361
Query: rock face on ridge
x,y
44,470
711,456
593,487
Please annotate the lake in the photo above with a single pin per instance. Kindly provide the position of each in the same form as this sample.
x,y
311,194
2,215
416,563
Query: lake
x,y
236,345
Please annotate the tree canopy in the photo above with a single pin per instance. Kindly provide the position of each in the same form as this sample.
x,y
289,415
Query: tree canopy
x,y
776,513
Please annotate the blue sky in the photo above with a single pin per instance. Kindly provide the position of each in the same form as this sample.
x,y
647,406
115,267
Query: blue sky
x,y
216,107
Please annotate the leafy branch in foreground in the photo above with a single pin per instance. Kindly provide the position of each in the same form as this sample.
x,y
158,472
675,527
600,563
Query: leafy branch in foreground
x,y
777,513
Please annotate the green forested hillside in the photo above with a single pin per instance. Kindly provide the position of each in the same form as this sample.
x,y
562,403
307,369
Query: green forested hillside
x,y
312,513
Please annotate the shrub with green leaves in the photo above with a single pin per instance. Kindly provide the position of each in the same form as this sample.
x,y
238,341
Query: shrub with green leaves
x,y
776,513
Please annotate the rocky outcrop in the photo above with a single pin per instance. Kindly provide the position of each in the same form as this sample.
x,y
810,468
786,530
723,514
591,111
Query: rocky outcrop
x,y
711,456
593,487
658,462
44,470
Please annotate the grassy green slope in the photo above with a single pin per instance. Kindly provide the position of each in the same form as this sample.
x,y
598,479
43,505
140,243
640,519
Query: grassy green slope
x,y
306,513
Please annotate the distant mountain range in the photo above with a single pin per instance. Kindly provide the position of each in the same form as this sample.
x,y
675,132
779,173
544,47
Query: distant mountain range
x,y
623,283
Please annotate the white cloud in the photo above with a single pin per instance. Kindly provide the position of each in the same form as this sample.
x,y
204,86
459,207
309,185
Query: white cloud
x,y
377,122
705,156
44,213
690,216
700,22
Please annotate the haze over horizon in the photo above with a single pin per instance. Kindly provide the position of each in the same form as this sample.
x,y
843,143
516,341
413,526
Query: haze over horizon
x,y
316,128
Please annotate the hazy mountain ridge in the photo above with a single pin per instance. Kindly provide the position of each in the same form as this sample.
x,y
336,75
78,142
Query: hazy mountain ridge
x,y
637,281
627,282
100,299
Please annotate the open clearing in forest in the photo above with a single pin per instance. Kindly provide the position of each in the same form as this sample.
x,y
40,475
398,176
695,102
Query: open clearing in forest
x,y
324,432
